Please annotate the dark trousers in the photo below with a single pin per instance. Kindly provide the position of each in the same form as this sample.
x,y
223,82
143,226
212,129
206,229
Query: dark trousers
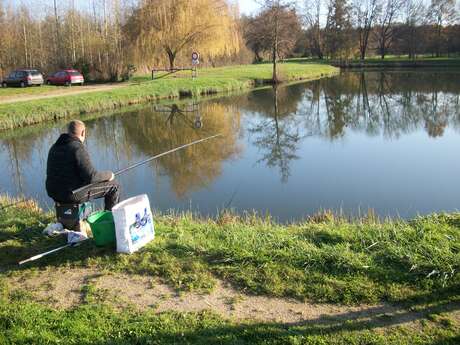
x,y
110,191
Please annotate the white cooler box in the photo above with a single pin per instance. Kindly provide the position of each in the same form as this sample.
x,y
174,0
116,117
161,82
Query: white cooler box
x,y
133,224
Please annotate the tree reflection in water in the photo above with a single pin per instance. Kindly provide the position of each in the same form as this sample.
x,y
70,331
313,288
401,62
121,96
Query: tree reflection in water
x,y
195,167
376,103
278,135
384,104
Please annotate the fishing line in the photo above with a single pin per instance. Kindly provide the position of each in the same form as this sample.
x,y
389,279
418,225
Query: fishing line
x,y
122,171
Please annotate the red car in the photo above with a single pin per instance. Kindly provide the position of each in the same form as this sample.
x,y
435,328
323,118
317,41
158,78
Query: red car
x,y
65,77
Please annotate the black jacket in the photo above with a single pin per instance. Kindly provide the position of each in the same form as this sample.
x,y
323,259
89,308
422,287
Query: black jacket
x,y
69,167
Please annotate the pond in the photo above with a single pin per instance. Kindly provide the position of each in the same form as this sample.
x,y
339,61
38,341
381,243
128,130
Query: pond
x,y
385,142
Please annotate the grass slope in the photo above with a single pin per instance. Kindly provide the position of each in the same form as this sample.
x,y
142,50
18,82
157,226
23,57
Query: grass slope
x,y
414,264
403,61
28,323
210,81
330,260
30,91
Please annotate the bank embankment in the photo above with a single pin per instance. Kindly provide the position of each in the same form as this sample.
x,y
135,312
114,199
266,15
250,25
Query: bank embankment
x,y
367,281
396,63
142,90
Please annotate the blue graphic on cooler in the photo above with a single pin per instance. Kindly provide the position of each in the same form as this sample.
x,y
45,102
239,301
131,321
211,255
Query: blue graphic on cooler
x,y
142,227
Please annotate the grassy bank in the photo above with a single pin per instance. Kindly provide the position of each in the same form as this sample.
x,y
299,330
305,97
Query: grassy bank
x,y
323,260
400,62
410,264
142,90
413,265
29,323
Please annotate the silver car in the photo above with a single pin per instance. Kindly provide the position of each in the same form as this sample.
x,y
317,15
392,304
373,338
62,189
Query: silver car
x,y
23,78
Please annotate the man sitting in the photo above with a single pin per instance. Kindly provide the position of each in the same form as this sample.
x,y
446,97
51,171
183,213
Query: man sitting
x,y
69,168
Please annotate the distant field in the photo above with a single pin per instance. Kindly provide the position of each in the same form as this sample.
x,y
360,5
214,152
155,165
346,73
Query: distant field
x,y
405,61
390,60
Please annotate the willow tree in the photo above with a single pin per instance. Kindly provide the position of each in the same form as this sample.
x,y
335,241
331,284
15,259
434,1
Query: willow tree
x,y
176,26
2,39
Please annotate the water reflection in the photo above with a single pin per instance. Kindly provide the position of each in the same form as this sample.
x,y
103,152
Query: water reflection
x,y
291,142
391,104
194,168
278,135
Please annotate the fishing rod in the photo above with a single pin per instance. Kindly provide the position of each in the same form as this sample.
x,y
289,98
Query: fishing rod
x,y
151,159
39,256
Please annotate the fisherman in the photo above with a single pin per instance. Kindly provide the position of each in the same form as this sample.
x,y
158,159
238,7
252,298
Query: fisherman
x,y
69,168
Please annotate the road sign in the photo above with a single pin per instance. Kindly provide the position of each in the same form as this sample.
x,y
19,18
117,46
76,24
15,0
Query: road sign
x,y
195,58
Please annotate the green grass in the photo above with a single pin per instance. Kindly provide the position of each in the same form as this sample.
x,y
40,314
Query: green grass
x,y
333,260
405,61
391,61
29,91
210,81
28,323
325,260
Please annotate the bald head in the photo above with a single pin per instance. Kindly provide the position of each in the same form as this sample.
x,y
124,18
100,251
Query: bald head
x,y
76,128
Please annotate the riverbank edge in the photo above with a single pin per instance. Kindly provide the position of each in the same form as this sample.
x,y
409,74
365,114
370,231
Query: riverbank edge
x,y
21,114
19,132
454,63
354,256
21,223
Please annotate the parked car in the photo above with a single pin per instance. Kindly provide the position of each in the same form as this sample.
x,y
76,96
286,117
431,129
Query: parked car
x,y
66,77
23,78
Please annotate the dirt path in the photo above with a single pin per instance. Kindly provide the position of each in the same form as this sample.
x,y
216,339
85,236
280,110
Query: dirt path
x,y
63,289
60,92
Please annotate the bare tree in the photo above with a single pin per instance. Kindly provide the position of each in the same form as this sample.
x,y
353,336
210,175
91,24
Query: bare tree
x,y
386,19
57,38
415,14
281,29
312,15
441,13
254,40
365,12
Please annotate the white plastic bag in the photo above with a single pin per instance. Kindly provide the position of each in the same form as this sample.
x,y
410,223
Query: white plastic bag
x,y
74,237
54,229
133,224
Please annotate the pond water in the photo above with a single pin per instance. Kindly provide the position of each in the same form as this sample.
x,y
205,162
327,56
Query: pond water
x,y
381,140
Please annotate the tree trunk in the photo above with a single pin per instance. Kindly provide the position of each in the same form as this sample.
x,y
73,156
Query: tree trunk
x,y
26,47
438,41
258,57
382,50
171,57
58,53
275,52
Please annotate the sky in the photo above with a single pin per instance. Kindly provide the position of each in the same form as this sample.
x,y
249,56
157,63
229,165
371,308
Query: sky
x,y
248,6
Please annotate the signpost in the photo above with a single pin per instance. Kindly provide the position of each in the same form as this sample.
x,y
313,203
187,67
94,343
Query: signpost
x,y
195,63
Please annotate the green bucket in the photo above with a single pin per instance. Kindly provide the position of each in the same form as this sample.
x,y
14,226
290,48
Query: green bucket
x,y
103,228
